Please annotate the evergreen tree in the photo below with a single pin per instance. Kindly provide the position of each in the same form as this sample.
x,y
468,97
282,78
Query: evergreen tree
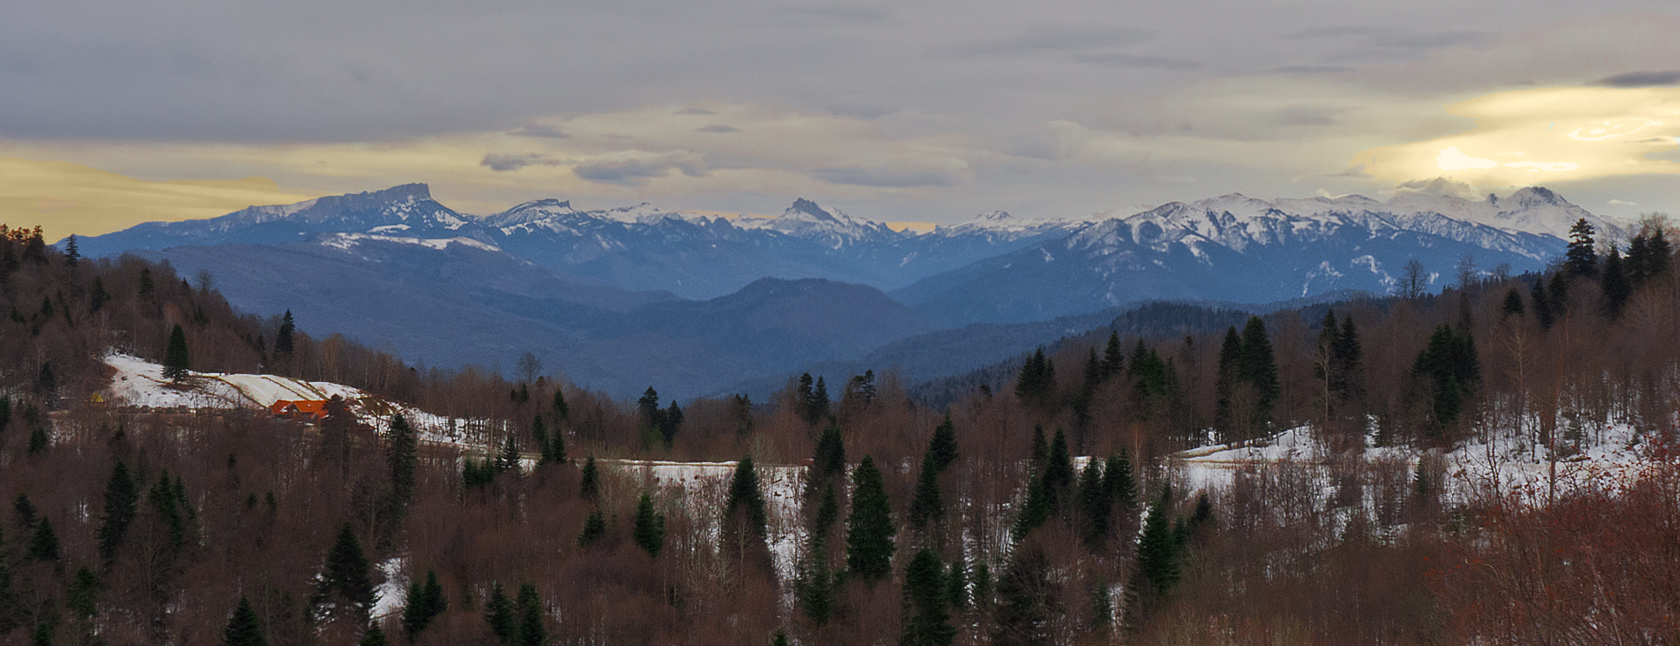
x,y
244,628
1037,380
869,529
539,436
498,614
1542,305
1157,558
1040,449
1058,472
943,447
927,506
589,487
649,531
805,393
1094,504
1114,360
72,252
1026,599
39,441
1558,294
562,412
346,575
956,584
1102,607
648,407
828,462
402,454
1580,258
1230,357
1118,479
1259,367
375,637
1450,371
669,422
981,595
927,621
530,631
5,412
1513,303
1615,285
816,590
819,403
283,342
424,603
508,459
557,449
177,361
745,529
594,527
121,501
24,510
1035,511
44,545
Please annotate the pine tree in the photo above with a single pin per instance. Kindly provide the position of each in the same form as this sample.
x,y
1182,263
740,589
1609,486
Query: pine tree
x,y
1118,479
828,462
926,506
24,510
1580,258
956,584
943,446
283,342
177,362
39,441
1102,607
1040,449
539,436
1058,473
562,412
424,604
981,594
557,449
121,501
403,457
649,531
508,459
43,546
244,628
927,620
1513,304
1615,285
1035,511
1114,360
669,422
1230,358
589,487
1095,502
1157,558
1036,381
375,637
530,631
745,529
498,614
818,408
1259,367
869,529
346,575
594,527
1450,370
1026,599
72,252
1542,306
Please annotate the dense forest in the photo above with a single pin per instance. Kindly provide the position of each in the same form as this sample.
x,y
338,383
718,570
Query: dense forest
x,y
1047,507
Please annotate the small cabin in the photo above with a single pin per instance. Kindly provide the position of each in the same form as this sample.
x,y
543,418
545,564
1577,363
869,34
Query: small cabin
x,y
308,410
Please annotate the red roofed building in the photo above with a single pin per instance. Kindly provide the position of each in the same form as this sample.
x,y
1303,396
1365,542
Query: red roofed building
x,y
301,409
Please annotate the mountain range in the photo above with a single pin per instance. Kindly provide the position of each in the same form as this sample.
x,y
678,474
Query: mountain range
x,y
693,303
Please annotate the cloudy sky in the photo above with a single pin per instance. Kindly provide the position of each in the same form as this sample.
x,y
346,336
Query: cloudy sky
x,y
113,113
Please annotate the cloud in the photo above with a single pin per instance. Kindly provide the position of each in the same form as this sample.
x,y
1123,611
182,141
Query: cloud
x,y
1616,202
1641,79
538,130
1077,39
506,163
896,172
718,128
693,111
1138,61
636,168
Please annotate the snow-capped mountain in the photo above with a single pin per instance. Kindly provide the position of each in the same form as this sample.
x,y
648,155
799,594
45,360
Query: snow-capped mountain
x,y
831,227
1001,226
1242,249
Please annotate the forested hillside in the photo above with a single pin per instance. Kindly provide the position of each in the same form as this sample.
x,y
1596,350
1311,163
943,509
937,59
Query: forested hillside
x,y
1058,506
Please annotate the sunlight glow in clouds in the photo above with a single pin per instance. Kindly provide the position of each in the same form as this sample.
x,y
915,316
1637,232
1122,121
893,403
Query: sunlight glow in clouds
x,y
1558,134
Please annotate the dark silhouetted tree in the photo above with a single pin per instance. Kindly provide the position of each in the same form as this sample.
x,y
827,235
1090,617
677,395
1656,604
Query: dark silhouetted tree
x,y
244,628
927,620
122,499
869,529
1581,259
177,361
649,530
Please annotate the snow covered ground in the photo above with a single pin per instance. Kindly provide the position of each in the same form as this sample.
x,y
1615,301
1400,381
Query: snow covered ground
x,y
140,383
705,485
1499,462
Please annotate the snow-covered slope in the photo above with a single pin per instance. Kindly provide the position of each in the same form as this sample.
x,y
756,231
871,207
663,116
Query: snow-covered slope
x,y
140,383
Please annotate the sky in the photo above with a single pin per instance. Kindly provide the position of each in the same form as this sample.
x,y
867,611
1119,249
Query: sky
x,y
934,111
